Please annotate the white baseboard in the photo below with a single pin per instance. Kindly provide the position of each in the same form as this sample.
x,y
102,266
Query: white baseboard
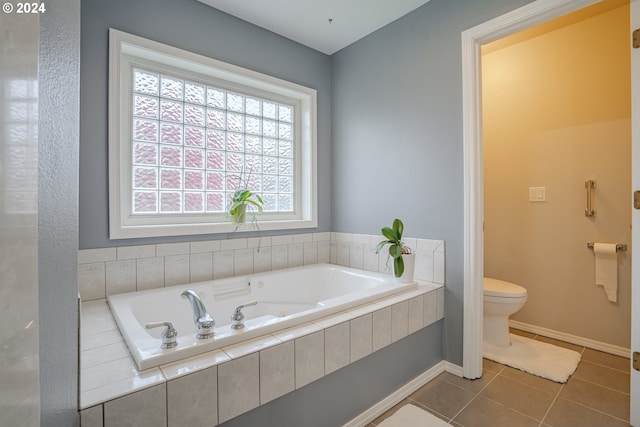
x,y
397,396
573,339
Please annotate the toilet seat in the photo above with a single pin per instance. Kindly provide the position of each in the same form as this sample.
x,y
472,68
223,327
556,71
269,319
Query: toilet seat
x,y
502,289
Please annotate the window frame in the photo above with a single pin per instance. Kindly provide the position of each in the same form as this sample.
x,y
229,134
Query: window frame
x,y
127,51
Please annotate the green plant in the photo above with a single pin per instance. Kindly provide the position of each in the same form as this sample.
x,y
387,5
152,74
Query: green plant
x,y
241,199
396,246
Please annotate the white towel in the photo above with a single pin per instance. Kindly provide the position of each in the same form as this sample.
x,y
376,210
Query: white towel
x,y
607,268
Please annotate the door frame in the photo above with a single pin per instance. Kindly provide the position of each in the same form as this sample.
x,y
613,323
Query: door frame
x,y
534,13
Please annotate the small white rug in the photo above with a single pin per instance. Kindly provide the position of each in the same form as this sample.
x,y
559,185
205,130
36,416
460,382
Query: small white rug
x,y
412,416
535,357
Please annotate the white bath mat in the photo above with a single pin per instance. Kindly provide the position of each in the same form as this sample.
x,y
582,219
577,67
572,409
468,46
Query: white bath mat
x,y
411,415
535,357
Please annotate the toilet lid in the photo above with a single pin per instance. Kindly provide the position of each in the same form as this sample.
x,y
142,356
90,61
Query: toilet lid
x,y
500,288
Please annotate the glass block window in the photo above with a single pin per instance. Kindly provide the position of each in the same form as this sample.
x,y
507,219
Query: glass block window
x,y
186,131
194,144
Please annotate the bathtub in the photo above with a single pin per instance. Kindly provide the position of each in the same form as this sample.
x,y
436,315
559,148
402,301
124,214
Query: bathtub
x,y
285,298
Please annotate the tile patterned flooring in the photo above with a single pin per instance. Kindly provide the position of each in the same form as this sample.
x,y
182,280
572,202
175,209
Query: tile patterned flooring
x,y
596,395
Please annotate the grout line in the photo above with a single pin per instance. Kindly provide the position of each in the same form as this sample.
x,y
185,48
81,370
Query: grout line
x,y
596,410
478,393
544,417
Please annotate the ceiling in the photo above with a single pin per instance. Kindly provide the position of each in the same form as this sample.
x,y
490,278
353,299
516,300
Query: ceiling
x,y
323,25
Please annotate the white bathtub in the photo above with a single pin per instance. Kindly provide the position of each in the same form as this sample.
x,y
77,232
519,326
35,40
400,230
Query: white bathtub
x,y
285,298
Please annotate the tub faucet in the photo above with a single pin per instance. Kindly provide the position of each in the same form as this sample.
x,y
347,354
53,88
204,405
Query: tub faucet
x,y
238,316
201,318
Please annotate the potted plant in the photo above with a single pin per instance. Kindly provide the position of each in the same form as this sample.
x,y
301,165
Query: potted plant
x,y
244,199
403,257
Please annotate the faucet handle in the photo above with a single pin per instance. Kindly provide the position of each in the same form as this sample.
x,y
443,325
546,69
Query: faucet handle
x,y
169,335
238,316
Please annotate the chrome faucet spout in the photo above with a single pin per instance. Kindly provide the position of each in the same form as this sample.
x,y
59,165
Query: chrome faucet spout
x,y
201,318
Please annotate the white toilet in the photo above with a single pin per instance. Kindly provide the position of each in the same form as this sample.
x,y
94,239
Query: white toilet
x,y
501,300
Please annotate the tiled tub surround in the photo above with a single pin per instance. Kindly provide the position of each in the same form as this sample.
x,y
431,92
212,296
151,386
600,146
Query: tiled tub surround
x,y
214,387
109,271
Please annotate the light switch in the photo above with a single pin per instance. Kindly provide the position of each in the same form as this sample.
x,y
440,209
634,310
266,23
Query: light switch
x,y
537,194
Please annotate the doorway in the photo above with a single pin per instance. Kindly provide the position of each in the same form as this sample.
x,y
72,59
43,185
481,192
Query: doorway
x,y
556,111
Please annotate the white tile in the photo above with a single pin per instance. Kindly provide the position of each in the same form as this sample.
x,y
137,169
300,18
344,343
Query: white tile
x,y
103,354
399,320
297,331
440,303
145,408
95,340
233,244
296,255
105,373
121,277
277,371
381,336
91,281
361,337
438,267
134,252
428,245
245,348
309,355
370,258
193,364
279,257
204,246
192,400
112,386
343,237
343,251
324,251
333,247
259,242
169,249
91,417
385,262
322,236
150,273
176,270
416,314
201,266
90,256
222,264
363,239
430,307
336,345
310,253
262,259
242,262
424,266
238,386
302,238
356,255
287,239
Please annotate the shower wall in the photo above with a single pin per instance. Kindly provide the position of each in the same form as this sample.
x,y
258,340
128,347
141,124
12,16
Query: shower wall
x,y
556,112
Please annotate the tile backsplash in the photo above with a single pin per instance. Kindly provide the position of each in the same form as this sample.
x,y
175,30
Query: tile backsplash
x,y
108,271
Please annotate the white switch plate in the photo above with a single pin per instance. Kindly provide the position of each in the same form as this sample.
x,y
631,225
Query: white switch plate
x,y
537,194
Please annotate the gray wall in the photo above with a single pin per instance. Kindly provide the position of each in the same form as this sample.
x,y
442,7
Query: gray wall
x,y
195,27
58,131
397,134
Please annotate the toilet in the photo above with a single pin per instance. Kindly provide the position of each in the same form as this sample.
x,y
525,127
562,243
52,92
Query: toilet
x,y
501,299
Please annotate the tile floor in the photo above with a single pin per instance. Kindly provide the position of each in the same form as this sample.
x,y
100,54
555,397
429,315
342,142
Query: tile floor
x,y
596,395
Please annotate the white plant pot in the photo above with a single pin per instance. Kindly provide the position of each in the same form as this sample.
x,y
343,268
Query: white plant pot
x,y
409,268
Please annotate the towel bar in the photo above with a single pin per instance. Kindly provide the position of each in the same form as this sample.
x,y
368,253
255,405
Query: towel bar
x,y
620,247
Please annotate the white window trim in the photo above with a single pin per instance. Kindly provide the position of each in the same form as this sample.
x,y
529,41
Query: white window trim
x,y
122,225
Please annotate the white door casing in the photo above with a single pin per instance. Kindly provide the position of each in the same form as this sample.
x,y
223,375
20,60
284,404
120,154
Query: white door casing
x,y
635,214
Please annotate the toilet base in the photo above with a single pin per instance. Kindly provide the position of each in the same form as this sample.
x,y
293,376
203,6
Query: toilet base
x,y
495,330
